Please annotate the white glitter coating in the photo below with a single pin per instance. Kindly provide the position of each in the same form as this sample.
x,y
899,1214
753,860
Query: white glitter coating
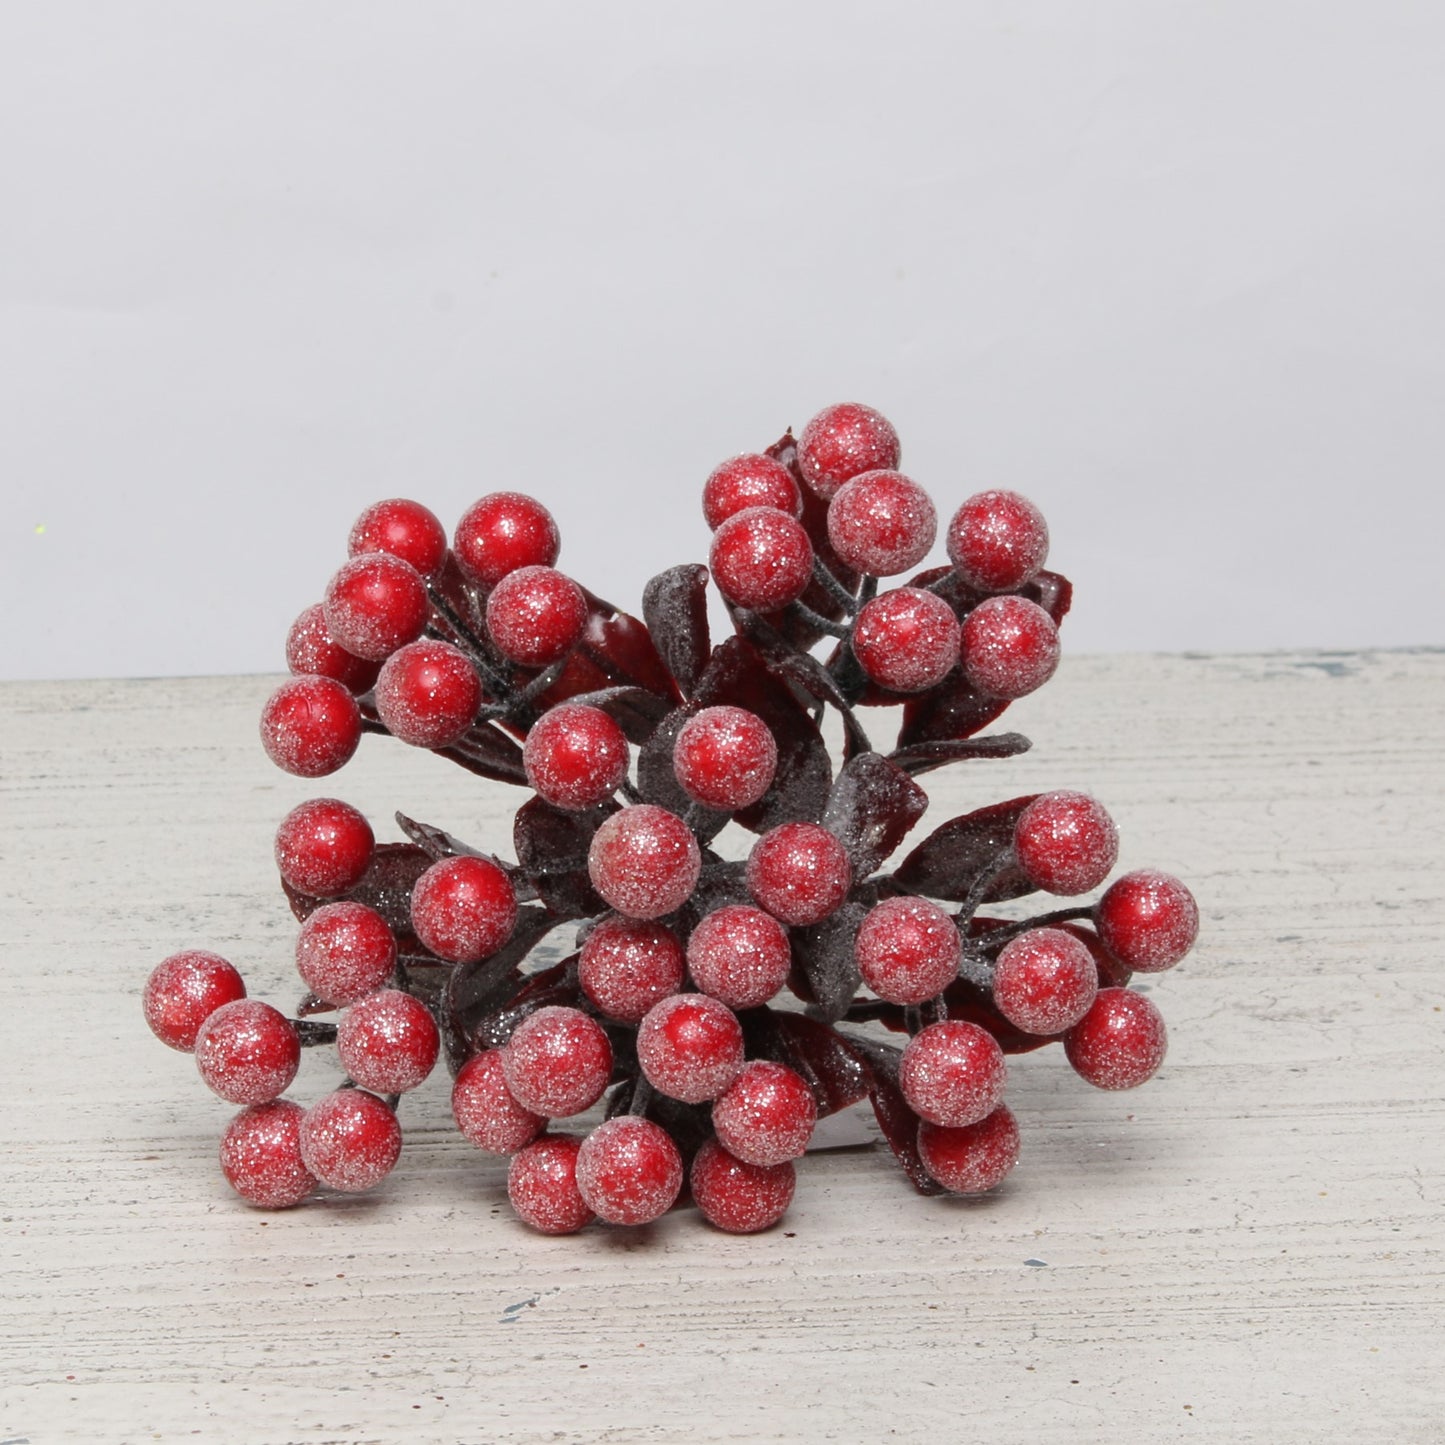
x,y
762,559
375,604
997,540
690,1047
350,1140
953,1073
906,639
972,1159
536,615
907,950
486,1113
310,726
750,480
799,872
1010,647
882,523
558,1062
542,1186
725,757
261,1155
247,1052
1045,981
323,847
1066,842
629,1171
1120,1043
575,756
736,1196
626,965
842,441
464,909
1148,919
428,693
766,1115
345,951
183,991
644,861
740,955
388,1042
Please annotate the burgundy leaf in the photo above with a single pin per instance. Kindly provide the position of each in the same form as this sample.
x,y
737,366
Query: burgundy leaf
x,y
956,857
386,887
636,710
674,606
657,780
898,1122
487,751
556,985
551,846
924,757
825,952
950,712
616,650
438,843
1052,591
833,1068
873,805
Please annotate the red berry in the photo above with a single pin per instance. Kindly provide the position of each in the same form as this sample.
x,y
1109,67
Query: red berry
x,y
1066,842
247,1052
324,847
843,441
503,533
627,965
997,541
1148,920
1119,1043
738,1197
183,991
485,1110
799,872
1044,981
690,1047
973,1158
906,640
310,726
1112,973
388,1042
350,1140
752,480
345,951
428,694
261,1155
542,1186
766,1115
376,604
1010,647
464,909
761,558
644,861
629,1171
536,616
740,956
725,758
402,528
952,1073
575,756
907,950
557,1062
311,651
881,523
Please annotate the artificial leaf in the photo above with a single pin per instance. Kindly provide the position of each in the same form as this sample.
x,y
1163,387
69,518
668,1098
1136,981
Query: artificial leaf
x,y
952,711
551,846
674,606
386,886
831,1065
924,757
873,805
898,1122
825,953
958,855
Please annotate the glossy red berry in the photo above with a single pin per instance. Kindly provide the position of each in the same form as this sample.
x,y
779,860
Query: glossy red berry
x,y
752,480
350,1140
261,1155
502,533
629,1171
843,441
557,1062
906,640
1148,920
247,1052
376,604
310,726
1044,981
766,1115
183,991
907,950
311,651
739,955
952,1073
324,847
1066,842
575,756
1010,647
973,1158
1119,1043
761,559
542,1186
403,529
881,523
388,1042
536,616
464,909
738,1197
690,1047
997,541
486,1113
345,951
799,872
644,861
626,965
725,758
428,694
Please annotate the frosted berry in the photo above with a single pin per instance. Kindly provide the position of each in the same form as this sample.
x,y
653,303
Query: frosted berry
x,y
402,528
1112,973
486,1113
536,616
1119,1043
542,1186
725,758
502,533
752,480
183,991
906,640
644,861
261,1155
350,1140
841,442
1066,842
799,872
428,694
388,1042
464,909
690,1047
629,1171
557,1062
324,847
952,1073
575,756
310,726
738,1197
766,1115
375,604
311,651
626,965
739,955
1148,920
762,559
345,951
1044,981
247,1052
907,950
973,1158
1010,647
881,523
997,541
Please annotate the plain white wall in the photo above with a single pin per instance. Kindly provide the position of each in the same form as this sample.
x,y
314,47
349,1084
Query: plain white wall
x,y
1175,270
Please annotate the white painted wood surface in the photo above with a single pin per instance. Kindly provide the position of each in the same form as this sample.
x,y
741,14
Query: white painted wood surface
x,y
1249,1248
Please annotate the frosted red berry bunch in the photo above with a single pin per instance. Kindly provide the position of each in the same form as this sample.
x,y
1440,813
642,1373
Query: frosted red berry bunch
x,y
707,1012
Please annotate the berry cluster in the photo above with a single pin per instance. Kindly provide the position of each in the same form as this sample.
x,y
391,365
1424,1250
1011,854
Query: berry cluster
x,y
639,741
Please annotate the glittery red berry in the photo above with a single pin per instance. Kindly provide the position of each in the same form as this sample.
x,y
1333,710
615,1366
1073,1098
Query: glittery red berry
x,y
575,756
906,640
881,523
502,533
345,951
952,1073
388,1042
766,1115
557,1062
907,950
997,541
183,991
375,604
1066,842
1010,647
1044,981
464,909
690,1047
761,559
310,726
311,651
739,955
644,861
1148,920
843,441
542,1186
486,1113
261,1155
725,758
324,847
752,480
428,694
1119,1043
629,1171
350,1140
536,616
247,1052
626,965
402,528
799,872
973,1158
738,1197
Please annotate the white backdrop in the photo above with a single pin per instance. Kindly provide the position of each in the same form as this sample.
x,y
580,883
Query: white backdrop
x,y
1175,270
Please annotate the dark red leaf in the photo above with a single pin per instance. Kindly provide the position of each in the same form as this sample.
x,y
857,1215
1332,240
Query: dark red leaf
x,y
556,985
674,606
898,1122
386,887
825,952
440,844
956,856
833,1068
551,846
924,757
950,712
635,710
489,753
1052,591
872,807
616,650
